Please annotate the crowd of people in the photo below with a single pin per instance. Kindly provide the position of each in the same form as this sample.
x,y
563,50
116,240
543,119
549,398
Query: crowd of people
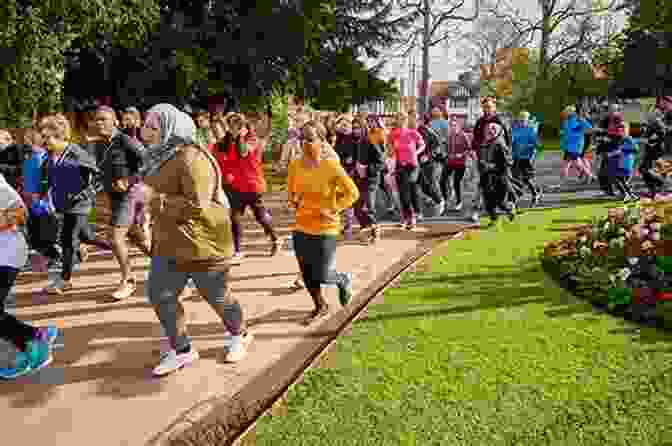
x,y
177,185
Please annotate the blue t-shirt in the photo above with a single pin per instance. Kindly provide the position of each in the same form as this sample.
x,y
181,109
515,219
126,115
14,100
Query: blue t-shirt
x,y
32,169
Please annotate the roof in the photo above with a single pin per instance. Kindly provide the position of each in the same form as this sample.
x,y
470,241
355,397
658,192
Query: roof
x,y
451,89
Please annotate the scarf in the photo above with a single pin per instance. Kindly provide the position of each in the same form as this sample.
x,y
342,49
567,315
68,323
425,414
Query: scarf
x,y
176,128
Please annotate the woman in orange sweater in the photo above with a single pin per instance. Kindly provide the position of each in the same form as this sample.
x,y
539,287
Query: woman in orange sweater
x,y
319,189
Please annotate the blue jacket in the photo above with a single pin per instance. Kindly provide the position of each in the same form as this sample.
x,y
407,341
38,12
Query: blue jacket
x,y
572,134
70,180
524,142
621,156
32,171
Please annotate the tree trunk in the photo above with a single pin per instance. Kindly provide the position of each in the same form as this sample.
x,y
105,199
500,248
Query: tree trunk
x,y
425,57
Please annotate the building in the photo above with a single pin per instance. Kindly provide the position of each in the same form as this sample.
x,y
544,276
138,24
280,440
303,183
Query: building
x,y
456,98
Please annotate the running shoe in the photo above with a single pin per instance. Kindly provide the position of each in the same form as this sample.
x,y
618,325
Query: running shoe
x,y
125,290
236,350
345,288
48,334
458,206
171,361
275,247
36,357
58,286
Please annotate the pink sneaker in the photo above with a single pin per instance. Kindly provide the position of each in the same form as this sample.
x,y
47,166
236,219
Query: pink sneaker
x,y
172,362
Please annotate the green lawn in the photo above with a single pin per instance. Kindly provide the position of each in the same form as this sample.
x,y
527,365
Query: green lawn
x,y
478,347
550,145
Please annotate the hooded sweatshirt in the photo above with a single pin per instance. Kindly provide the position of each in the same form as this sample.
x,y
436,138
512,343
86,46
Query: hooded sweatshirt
x,y
572,134
13,245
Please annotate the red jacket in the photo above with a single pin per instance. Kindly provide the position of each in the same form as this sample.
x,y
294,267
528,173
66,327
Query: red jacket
x,y
243,174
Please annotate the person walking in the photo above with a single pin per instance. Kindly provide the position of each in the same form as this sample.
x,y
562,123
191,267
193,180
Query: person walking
x,y
458,147
407,144
120,160
619,151
33,344
191,236
494,162
524,151
239,157
655,131
319,189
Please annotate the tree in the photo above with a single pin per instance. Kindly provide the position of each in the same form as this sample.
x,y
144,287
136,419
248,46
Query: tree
x,y
429,23
35,37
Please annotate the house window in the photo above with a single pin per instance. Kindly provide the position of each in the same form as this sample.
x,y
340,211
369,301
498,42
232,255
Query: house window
x,y
458,103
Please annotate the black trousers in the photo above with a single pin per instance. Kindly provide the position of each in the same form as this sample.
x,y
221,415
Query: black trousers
x,y
495,191
457,172
76,230
523,171
407,182
365,208
428,181
12,329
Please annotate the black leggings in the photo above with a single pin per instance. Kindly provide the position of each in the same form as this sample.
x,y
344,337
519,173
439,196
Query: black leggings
x,y
428,182
239,202
12,329
457,172
315,255
407,181
76,230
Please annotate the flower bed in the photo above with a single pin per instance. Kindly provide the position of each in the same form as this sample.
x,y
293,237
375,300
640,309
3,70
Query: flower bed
x,y
622,261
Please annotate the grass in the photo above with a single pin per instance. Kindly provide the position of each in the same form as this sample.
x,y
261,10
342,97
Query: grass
x,y
549,145
478,347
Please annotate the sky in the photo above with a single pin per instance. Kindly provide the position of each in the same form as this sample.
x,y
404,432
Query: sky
x,y
444,63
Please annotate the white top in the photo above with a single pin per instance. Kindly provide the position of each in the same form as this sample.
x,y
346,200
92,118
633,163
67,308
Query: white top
x,y
13,245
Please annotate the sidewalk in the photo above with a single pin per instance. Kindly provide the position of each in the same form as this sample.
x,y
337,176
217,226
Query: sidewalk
x,y
99,388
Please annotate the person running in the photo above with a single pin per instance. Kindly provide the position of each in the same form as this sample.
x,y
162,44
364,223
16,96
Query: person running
x,y
407,144
524,151
654,134
184,179
120,159
370,163
131,122
33,344
572,134
619,148
70,175
239,157
348,134
430,162
494,161
319,189
458,147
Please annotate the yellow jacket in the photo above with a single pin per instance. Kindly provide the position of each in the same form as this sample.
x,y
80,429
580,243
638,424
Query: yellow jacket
x,y
319,194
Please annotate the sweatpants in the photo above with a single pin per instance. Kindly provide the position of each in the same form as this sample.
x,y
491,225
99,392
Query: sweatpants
x,y
166,282
365,208
239,203
77,230
316,255
407,181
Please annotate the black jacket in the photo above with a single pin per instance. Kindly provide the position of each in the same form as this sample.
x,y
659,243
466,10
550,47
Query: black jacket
x,y
11,162
121,157
434,143
494,158
373,155
479,131
346,148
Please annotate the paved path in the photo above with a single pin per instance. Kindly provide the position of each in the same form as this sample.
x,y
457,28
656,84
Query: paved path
x,y
99,388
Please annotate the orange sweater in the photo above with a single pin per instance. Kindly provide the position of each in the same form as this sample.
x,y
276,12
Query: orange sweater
x,y
319,195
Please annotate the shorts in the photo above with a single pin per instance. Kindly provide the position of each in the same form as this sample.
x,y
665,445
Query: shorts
x,y
120,208
316,255
241,200
569,156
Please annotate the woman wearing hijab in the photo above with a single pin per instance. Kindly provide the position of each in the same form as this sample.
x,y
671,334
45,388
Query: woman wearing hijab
x,y
494,162
33,345
191,235
319,189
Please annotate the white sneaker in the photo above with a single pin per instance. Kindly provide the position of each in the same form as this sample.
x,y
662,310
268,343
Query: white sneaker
x,y
458,206
58,286
475,217
441,207
172,362
236,351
